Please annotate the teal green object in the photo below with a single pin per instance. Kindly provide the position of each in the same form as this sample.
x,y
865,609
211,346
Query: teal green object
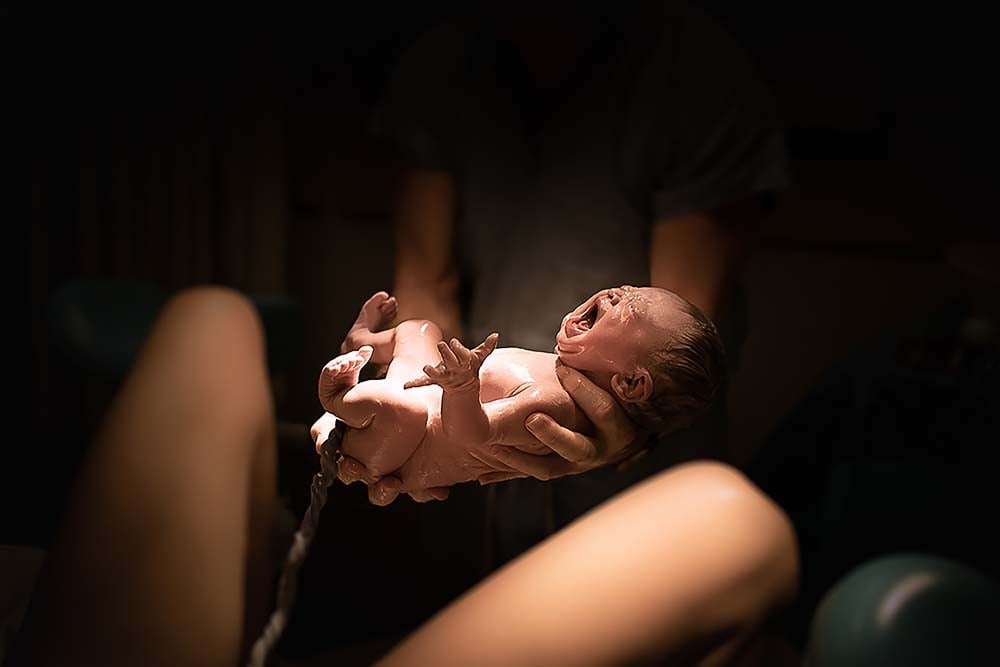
x,y
907,610
99,325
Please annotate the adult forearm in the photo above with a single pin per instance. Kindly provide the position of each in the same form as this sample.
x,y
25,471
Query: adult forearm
x,y
429,298
700,255
426,277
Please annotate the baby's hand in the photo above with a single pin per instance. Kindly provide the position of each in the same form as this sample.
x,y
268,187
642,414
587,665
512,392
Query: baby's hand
x,y
459,367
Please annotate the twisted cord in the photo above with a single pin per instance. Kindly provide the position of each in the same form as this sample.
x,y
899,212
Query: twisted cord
x,y
289,579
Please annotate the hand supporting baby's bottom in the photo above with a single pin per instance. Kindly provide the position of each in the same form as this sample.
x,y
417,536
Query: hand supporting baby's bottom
x,y
383,489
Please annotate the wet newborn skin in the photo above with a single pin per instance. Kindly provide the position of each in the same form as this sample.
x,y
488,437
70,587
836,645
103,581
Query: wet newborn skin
x,y
441,408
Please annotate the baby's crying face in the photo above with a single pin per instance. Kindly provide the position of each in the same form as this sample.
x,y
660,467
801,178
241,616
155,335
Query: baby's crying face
x,y
615,328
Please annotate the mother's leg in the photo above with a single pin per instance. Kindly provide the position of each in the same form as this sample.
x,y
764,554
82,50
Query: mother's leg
x,y
162,557
684,567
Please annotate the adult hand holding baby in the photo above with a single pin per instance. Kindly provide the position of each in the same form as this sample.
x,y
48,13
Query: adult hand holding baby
x,y
572,452
381,490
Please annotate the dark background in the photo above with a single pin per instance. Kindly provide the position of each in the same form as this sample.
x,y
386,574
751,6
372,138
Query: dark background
x,y
175,145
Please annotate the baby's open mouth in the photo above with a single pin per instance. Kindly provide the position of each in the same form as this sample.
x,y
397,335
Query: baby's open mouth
x,y
581,323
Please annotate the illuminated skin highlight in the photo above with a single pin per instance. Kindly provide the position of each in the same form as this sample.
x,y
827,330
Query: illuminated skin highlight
x,y
435,418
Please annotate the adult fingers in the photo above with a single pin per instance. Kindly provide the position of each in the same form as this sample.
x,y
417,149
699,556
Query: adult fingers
x,y
351,470
384,491
599,406
432,493
439,492
494,477
421,496
568,444
494,465
539,467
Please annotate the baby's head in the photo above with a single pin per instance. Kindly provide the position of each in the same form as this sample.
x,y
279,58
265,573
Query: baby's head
x,y
661,357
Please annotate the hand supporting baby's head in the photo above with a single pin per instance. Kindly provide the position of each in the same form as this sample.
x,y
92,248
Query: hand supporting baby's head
x,y
659,355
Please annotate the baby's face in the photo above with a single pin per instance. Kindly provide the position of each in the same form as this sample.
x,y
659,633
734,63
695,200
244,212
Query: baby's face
x,y
615,328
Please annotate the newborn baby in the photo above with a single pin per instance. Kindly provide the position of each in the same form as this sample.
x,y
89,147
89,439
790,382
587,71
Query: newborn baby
x,y
440,408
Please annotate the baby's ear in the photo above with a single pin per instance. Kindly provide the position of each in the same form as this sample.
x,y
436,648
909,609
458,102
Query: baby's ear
x,y
633,388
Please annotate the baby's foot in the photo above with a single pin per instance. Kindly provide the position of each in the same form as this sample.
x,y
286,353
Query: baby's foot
x,y
376,314
340,374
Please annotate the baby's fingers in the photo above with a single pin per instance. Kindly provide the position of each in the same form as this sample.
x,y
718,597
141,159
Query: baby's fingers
x,y
422,381
461,352
486,348
447,356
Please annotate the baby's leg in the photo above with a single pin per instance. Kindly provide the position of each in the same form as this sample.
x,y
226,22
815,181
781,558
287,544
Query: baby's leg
x,y
339,391
416,346
370,328
387,422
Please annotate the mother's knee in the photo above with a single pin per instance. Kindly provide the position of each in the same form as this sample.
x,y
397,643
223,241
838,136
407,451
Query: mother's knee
x,y
729,495
212,304
208,342
213,316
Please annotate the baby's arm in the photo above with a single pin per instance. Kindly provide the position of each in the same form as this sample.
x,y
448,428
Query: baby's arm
x,y
463,417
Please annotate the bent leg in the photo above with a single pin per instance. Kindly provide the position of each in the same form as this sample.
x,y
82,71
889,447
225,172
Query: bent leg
x,y
416,346
682,567
372,328
162,556
340,393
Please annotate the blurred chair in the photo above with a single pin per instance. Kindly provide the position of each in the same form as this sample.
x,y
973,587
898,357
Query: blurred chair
x,y
892,452
99,325
907,610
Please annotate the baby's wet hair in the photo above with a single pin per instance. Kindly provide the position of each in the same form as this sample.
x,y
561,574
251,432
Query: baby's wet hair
x,y
688,372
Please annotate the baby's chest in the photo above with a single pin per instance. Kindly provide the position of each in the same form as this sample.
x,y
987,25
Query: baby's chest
x,y
510,371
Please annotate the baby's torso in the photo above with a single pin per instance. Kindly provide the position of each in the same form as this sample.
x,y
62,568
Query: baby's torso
x,y
510,369
510,375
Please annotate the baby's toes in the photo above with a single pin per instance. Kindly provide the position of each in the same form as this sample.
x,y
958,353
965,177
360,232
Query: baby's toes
x,y
371,309
386,312
376,300
359,358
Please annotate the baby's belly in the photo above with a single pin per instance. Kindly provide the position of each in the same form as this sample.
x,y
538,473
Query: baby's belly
x,y
439,461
